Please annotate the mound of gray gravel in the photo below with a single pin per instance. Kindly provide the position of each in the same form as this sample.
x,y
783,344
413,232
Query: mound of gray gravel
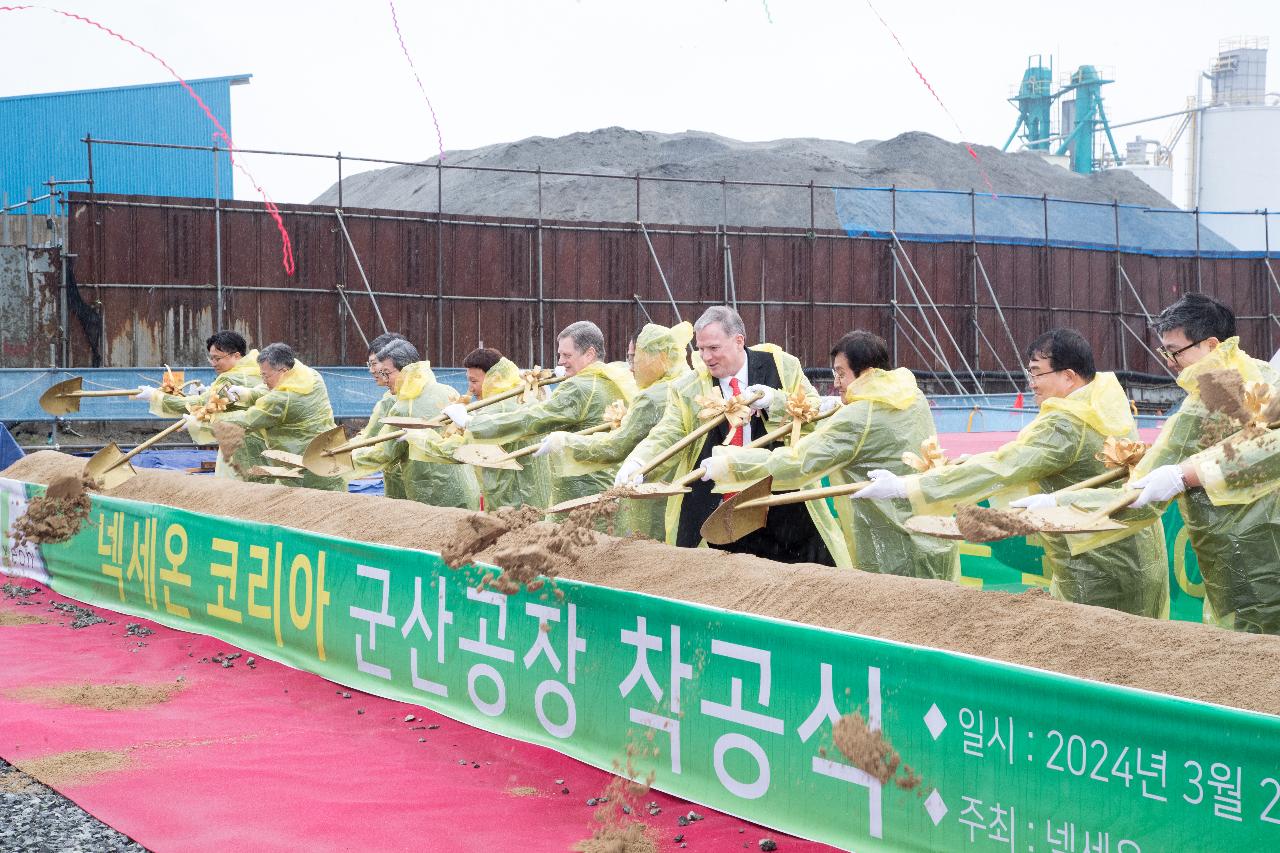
x,y
34,818
909,161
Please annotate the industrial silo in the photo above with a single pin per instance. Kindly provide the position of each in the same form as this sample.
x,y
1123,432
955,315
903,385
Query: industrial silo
x,y
1236,156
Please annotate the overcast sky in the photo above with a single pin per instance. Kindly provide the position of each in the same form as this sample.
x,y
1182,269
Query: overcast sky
x,y
330,76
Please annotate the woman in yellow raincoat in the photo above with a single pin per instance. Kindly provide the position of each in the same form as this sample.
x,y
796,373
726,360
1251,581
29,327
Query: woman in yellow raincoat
x,y
590,387
884,416
490,374
418,395
1079,410
659,360
235,366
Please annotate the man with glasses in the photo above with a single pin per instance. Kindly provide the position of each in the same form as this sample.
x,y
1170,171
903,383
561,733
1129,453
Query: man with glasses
x,y
1079,410
236,368
1236,540
393,483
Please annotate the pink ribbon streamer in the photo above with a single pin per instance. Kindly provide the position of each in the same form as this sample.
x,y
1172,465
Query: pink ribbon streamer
x,y
395,22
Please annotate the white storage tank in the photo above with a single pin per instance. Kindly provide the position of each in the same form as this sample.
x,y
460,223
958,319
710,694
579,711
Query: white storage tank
x,y
1239,169
1159,178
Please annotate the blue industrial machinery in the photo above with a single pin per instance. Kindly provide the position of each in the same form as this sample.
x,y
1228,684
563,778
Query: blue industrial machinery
x,y
1082,113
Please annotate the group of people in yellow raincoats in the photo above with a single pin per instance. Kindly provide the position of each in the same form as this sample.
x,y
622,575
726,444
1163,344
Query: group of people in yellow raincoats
x,y
599,425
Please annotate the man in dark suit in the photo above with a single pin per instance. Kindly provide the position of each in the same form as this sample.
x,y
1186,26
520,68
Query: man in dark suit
x,y
736,370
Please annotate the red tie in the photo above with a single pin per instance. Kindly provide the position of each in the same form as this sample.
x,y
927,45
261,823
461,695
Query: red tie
x,y
735,440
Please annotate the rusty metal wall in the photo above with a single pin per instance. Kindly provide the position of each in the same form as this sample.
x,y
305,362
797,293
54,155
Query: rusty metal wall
x,y
452,282
30,290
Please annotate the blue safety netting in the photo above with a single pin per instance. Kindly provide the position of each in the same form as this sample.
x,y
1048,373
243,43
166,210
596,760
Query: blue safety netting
x,y
351,391
948,216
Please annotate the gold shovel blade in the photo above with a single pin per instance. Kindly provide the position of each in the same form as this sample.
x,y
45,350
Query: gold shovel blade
x,y
486,456
320,458
938,526
60,399
729,524
642,491
108,468
655,491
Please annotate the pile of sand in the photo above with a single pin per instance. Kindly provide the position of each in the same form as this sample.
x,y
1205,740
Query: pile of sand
x,y
58,514
1177,658
103,697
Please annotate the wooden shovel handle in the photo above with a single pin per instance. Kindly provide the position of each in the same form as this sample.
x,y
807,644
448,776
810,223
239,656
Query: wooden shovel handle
x,y
160,436
768,438
367,441
128,393
530,448
695,434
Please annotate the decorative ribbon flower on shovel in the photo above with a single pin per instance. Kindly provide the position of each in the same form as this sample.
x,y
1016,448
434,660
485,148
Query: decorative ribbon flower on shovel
x,y
172,382
1259,403
615,413
215,404
931,456
735,410
802,411
530,379
1121,452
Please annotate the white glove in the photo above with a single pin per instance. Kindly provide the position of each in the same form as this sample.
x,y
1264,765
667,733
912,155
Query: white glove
x,y
559,370
1035,502
885,485
190,421
828,404
234,392
715,468
145,393
457,412
766,396
1163,484
553,443
629,474
197,388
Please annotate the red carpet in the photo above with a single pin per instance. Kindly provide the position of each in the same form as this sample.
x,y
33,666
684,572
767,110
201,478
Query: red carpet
x,y
269,758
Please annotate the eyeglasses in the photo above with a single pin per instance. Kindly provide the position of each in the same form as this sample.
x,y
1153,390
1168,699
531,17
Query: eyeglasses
x,y
1172,354
1034,376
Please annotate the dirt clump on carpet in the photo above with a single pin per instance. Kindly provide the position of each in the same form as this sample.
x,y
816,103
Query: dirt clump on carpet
x,y
1176,658
58,514
10,619
103,697
62,768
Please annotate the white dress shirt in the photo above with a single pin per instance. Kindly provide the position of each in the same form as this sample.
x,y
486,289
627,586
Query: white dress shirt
x,y
727,391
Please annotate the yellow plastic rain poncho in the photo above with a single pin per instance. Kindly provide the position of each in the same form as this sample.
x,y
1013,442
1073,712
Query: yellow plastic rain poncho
x,y
1125,570
244,373
498,487
1237,544
884,416
578,402
419,395
660,360
288,417
681,418
393,473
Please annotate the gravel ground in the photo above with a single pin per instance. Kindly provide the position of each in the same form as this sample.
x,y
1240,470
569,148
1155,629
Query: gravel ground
x,y
35,818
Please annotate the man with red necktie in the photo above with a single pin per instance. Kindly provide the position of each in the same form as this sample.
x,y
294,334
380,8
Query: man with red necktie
x,y
729,365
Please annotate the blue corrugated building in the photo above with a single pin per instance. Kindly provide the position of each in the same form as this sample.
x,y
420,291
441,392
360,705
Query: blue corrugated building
x,y
41,136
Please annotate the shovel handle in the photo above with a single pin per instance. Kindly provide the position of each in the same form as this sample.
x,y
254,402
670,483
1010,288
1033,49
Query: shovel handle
x,y
806,495
367,441
695,434
530,448
439,420
160,436
768,438
129,393
1110,476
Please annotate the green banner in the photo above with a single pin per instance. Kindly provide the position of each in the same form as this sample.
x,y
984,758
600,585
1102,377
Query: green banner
x,y
1013,565
728,709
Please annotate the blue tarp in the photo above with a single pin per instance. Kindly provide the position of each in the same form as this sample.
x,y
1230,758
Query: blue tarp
x,y
351,391
944,216
10,452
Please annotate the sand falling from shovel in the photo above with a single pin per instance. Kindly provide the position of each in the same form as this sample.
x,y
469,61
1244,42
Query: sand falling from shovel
x,y
57,515
981,524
